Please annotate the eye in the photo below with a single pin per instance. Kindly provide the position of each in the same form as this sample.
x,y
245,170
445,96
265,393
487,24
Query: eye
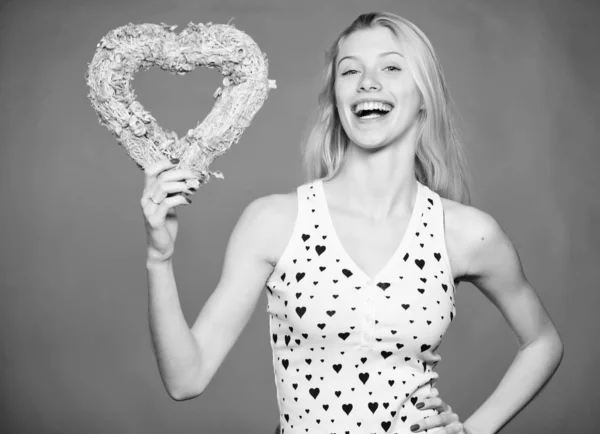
x,y
349,71
394,68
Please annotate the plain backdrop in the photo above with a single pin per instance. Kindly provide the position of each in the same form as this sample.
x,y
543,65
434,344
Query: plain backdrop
x,y
75,349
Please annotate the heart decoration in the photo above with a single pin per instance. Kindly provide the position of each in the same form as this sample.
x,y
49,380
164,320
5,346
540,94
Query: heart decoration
x,y
123,51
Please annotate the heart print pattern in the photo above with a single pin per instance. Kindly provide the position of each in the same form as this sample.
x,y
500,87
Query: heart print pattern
x,y
354,354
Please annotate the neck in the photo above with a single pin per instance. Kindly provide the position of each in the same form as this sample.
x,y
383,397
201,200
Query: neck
x,y
377,184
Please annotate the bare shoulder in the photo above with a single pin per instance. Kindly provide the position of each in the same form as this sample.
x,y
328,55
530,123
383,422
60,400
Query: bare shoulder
x,y
274,216
465,228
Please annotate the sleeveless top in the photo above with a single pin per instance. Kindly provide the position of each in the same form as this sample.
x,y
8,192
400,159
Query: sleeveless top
x,y
353,354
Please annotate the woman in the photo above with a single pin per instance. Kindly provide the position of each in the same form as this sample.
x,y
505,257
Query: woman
x,y
361,263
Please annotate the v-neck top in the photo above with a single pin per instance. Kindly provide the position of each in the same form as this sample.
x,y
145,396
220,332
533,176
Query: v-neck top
x,y
351,353
414,217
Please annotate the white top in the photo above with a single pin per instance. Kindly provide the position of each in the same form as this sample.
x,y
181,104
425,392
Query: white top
x,y
353,354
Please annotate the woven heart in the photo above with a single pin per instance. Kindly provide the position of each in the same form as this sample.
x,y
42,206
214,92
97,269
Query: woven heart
x,y
123,51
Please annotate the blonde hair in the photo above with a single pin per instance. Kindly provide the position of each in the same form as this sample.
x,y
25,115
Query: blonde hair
x,y
440,162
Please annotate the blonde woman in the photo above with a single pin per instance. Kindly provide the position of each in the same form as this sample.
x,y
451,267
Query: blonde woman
x,y
361,263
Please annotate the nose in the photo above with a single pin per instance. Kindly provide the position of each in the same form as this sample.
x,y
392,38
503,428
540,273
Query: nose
x,y
369,83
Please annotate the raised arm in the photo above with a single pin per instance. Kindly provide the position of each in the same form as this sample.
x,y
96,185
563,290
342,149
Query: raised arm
x,y
188,358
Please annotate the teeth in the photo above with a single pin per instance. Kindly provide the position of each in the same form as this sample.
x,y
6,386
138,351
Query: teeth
x,y
373,116
372,105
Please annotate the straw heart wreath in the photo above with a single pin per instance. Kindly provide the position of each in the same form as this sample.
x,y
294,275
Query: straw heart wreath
x,y
123,51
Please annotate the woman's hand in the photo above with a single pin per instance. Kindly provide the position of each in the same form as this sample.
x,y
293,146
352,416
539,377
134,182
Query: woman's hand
x,y
161,195
446,419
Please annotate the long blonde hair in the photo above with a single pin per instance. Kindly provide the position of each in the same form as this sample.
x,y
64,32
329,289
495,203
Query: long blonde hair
x,y
440,162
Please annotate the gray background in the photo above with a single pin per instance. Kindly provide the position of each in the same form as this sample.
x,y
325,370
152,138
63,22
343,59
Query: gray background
x,y
75,349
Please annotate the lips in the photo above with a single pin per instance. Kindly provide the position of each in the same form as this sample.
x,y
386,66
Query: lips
x,y
370,114
369,110
372,117
369,100
371,103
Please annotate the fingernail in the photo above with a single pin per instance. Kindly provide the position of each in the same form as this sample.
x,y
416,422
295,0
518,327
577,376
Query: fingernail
x,y
420,405
188,200
414,427
174,160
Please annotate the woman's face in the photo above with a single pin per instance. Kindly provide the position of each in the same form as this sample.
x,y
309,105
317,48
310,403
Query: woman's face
x,y
376,97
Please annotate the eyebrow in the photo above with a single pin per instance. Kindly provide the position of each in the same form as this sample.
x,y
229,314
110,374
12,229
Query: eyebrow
x,y
381,55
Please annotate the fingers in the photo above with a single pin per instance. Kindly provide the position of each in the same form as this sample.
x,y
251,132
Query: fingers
x,y
162,181
155,169
160,191
448,421
167,182
164,171
436,404
156,216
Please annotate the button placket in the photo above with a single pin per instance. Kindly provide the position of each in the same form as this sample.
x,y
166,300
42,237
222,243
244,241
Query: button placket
x,y
368,320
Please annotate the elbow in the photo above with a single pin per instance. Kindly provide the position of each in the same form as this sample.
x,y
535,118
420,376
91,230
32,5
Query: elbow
x,y
185,391
553,346
184,395
177,396
557,345
189,387
561,350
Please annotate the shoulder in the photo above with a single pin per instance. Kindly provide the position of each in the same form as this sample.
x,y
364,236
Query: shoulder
x,y
272,220
273,208
470,233
468,220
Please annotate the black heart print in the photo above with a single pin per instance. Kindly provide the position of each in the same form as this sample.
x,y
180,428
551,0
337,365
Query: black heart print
x,y
353,351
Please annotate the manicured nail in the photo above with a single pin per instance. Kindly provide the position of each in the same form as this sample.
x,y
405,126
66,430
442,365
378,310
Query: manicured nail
x,y
174,160
414,428
188,200
420,405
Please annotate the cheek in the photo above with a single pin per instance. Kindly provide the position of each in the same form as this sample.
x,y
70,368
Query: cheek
x,y
341,96
407,92
341,105
412,94
409,102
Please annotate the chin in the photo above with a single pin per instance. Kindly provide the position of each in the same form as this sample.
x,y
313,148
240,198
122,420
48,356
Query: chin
x,y
369,143
373,139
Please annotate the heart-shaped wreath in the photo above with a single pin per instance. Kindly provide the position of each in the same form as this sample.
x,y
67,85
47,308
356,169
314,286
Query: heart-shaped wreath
x,y
123,51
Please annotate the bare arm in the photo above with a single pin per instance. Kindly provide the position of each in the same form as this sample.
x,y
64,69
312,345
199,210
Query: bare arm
x,y
496,270
188,358
174,346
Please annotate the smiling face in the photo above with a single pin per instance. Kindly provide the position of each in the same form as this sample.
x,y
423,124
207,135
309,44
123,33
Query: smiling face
x,y
376,96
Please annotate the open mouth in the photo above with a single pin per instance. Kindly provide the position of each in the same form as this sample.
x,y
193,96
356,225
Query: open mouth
x,y
371,110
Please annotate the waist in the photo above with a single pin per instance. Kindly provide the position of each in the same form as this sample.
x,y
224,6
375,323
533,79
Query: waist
x,y
374,401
